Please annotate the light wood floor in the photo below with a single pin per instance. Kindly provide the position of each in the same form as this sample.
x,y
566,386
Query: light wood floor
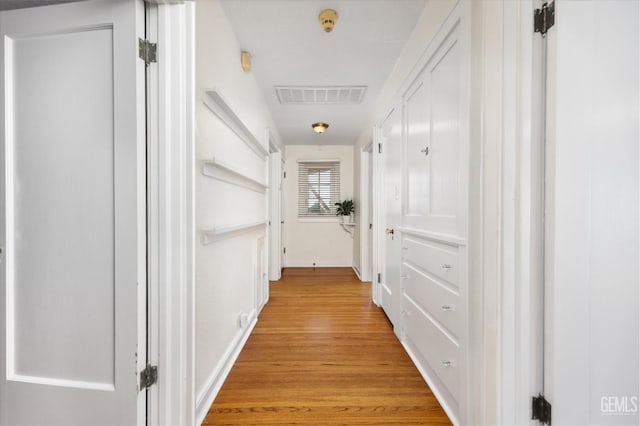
x,y
323,354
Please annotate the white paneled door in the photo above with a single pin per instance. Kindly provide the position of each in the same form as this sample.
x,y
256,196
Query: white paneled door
x,y
72,226
434,176
592,349
392,155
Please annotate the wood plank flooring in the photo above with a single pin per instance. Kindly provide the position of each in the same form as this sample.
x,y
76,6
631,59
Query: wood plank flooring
x,y
323,354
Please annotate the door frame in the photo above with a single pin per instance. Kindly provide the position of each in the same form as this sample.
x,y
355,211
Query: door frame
x,y
171,95
378,213
366,216
275,210
521,175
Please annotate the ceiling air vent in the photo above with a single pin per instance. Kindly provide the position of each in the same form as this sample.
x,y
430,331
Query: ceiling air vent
x,y
320,95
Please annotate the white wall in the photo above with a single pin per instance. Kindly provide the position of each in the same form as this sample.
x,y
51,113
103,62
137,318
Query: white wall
x,y
322,241
226,269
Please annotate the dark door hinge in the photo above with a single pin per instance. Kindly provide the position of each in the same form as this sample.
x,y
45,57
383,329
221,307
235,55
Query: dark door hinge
x,y
147,51
544,18
379,277
379,148
284,250
541,409
148,376
285,175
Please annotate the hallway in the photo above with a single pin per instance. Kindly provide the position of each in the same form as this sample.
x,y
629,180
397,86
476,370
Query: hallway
x,y
323,353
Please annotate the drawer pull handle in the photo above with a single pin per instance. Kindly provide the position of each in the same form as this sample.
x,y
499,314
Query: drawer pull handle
x,y
446,308
405,277
446,266
447,364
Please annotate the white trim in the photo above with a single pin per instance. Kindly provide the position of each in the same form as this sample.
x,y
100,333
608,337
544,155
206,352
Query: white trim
x,y
217,377
275,215
442,238
432,381
365,216
49,381
309,264
378,209
519,327
172,401
357,271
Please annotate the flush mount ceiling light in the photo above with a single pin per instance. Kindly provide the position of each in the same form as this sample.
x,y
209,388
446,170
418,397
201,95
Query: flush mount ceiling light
x,y
328,19
319,127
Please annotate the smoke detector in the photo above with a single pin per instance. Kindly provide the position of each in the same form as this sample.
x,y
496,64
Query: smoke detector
x,y
328,19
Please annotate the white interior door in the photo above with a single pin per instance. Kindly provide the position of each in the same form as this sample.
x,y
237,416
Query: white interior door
x,y
275,209
72,226
283,210
591,334
392,157
369,254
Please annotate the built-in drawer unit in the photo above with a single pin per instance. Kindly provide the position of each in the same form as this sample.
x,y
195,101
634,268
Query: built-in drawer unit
x,y
440,350
434,296
441,260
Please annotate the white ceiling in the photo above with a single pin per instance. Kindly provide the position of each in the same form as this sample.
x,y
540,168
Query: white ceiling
x,y
289,48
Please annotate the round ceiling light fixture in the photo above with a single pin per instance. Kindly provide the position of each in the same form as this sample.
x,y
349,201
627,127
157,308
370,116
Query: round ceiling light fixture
x,y
319,127
328,19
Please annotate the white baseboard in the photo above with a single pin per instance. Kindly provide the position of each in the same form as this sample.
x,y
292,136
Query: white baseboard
x,y
434,384
219,374
319,264
357,271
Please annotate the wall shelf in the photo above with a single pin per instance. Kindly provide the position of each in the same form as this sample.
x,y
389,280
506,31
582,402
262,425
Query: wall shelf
x,y
209,236
216,169
349,227
220,107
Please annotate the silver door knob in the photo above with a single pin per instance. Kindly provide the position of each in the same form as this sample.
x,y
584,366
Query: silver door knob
x,y
389,231
445,266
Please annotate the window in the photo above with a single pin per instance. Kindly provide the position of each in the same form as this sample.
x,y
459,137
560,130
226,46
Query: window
x,y
318,188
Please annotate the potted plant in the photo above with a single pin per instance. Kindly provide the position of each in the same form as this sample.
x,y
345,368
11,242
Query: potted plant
x,y
345,208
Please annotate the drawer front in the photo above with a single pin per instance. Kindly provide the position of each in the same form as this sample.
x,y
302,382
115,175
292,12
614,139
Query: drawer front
x,y
436,299
438,259
440,352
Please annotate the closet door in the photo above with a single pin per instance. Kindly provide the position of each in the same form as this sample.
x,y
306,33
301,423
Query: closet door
x,y
592,347
433,158
73,220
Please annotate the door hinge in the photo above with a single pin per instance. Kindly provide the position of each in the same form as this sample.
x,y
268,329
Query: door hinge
x,y
379,148
379,277
541,409
544,18
285,175
147,51
148,376
284,250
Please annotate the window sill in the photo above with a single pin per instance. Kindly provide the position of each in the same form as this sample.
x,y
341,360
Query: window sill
x,y
327,219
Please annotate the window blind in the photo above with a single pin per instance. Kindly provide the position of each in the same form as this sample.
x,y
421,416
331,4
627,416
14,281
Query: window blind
x,y
318,188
